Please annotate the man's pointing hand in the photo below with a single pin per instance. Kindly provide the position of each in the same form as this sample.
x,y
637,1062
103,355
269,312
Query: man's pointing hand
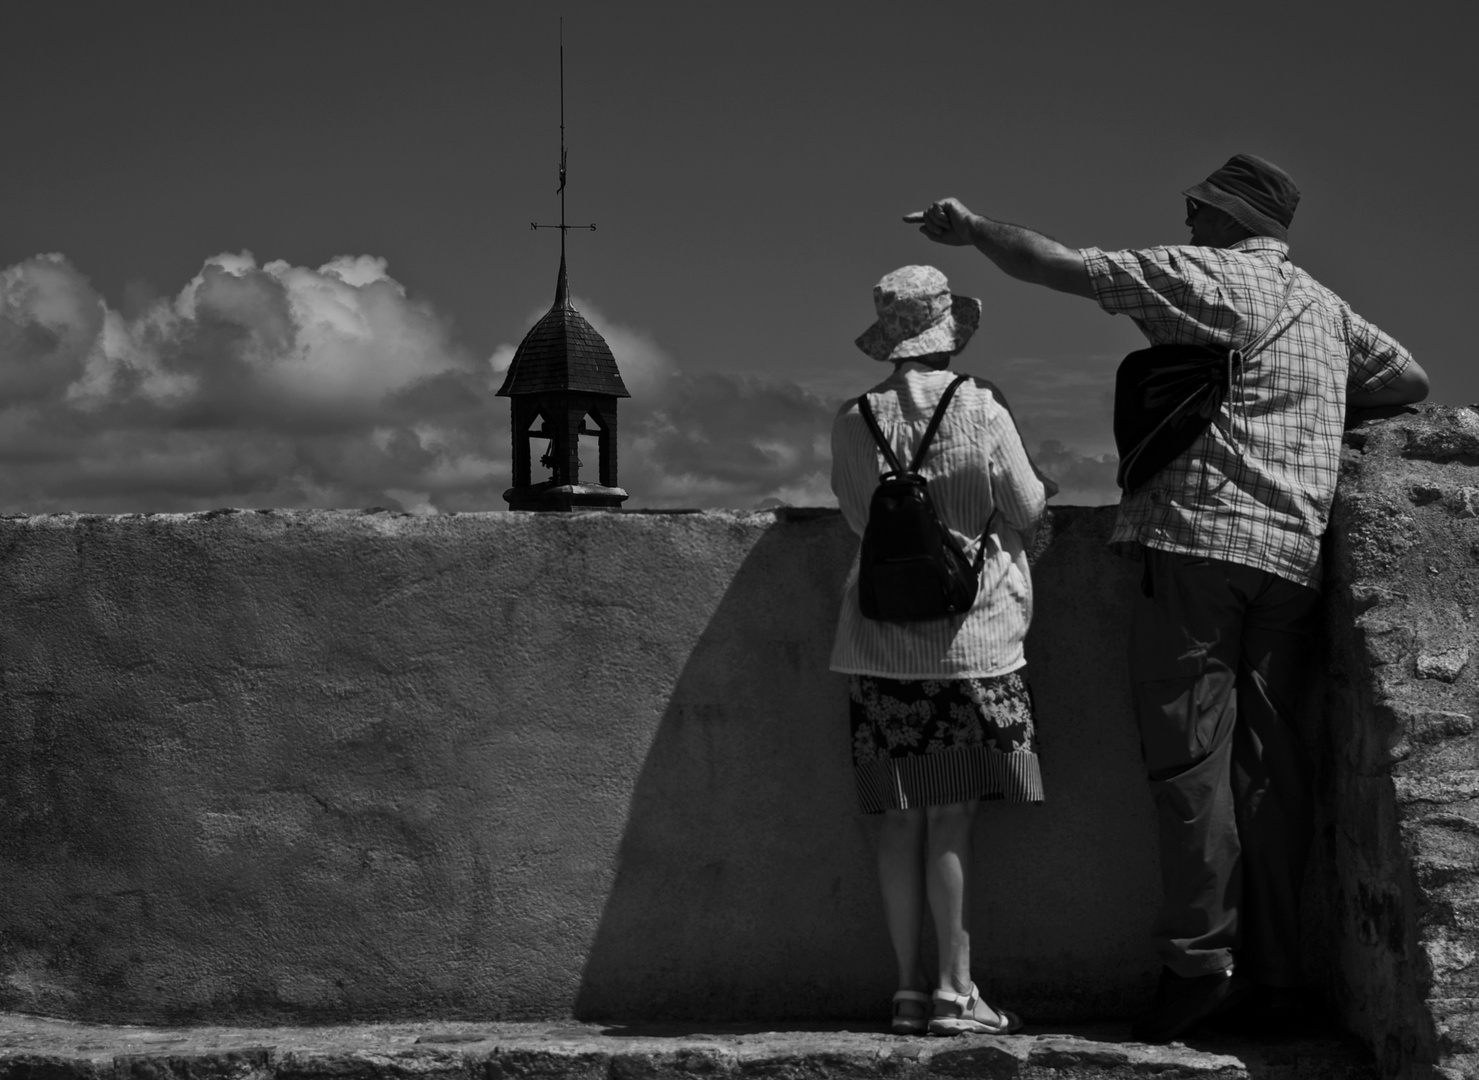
x,y
1024,254
945,222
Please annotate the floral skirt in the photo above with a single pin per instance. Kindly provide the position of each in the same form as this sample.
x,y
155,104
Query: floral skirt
x,y
926,742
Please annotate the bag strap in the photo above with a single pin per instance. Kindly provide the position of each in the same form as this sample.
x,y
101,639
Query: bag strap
x,y
866,410
1257,343
934,426
980,559
1239,356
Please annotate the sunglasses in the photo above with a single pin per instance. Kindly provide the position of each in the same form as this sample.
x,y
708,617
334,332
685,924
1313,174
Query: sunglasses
x,y
1192,206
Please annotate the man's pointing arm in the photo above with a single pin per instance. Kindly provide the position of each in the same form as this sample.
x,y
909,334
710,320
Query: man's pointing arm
x,y
1026,255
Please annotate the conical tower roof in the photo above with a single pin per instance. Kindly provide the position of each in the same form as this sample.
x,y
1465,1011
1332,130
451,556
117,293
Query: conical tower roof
x,y
563,352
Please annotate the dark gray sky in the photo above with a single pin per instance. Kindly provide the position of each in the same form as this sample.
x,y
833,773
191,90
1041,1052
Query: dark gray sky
x,y
747,166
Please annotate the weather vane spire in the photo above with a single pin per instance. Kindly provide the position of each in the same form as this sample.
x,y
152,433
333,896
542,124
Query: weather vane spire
x,y
564,228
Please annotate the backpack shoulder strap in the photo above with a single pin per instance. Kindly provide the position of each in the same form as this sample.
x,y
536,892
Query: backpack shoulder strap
x,y
1258,342
981,543
866,411
929,432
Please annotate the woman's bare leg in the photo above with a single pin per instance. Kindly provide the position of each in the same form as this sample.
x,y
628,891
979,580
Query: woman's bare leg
x,y
947,869
901,877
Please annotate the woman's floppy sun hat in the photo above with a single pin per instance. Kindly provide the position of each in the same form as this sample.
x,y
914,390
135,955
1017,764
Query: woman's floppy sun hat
x,y
918,315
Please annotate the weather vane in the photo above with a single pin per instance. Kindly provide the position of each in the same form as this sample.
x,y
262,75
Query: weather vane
x,y
561,192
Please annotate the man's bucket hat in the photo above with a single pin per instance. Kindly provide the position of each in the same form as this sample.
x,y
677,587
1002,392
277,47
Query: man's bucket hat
x,y
1257,194
918,315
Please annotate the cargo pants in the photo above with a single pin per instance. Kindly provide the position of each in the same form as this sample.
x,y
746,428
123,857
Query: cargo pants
x,y
1219,653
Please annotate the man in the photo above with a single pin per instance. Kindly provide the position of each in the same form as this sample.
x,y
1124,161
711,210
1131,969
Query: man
x,y
1229,534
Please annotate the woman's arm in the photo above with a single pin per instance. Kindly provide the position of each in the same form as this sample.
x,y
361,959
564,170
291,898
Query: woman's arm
x,y
1015,487
1050,485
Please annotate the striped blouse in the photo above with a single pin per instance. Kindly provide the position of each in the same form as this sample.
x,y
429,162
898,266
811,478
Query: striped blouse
x,y
976,465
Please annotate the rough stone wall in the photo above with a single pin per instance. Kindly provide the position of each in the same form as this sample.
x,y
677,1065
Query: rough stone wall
x,y
328,766
1402,765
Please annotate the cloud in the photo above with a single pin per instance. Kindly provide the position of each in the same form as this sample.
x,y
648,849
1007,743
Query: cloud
x,y
269,385
1083,480
50,347
272,385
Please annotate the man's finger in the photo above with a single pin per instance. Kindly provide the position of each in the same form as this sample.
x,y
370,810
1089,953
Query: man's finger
x,y
916,218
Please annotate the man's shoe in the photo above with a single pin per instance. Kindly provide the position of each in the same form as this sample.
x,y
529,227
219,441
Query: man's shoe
x,y
1181,1003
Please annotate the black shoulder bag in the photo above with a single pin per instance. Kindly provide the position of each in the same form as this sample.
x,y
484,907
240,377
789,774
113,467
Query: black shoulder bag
x,y
912,567
1166,395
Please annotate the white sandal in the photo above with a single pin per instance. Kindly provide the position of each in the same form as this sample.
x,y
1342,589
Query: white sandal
x,y
911,1025
961,1014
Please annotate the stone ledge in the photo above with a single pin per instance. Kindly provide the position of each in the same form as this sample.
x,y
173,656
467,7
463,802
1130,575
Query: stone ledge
x,y
37,1048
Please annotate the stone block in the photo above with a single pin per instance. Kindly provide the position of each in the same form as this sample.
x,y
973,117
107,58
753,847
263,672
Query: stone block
x,y
1437,789
1445,665
1386,642
555,1063
1439,872
1433,725
1452,956
245,1063
1457,1023
1442,434
427,1063
1462,502
696,1061
1439,759
982,1055
845,1062
1447,836
26,1066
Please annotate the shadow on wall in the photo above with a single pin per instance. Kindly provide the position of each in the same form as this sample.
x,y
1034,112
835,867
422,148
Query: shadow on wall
x,y
741,860
744,884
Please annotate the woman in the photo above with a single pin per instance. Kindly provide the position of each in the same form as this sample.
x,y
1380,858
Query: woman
x,y
941,716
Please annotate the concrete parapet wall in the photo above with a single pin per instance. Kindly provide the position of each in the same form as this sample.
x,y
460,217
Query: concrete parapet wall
x,y
282,766
334,765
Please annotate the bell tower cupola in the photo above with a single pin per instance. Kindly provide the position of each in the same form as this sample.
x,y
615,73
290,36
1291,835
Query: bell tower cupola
x,y
563,385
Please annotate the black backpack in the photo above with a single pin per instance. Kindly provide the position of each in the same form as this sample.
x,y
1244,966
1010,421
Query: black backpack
x,y
1167,395
912,568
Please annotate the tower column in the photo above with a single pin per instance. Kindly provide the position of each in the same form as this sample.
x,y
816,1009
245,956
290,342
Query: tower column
x,y
569,456
607,423
523,416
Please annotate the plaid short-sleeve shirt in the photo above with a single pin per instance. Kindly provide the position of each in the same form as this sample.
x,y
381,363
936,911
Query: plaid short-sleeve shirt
x,y
1256,486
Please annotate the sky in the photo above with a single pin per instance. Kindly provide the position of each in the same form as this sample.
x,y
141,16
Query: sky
x,y
279,255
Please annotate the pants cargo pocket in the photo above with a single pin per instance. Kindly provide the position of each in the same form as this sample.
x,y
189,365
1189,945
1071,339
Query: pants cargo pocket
x,y
1183,720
